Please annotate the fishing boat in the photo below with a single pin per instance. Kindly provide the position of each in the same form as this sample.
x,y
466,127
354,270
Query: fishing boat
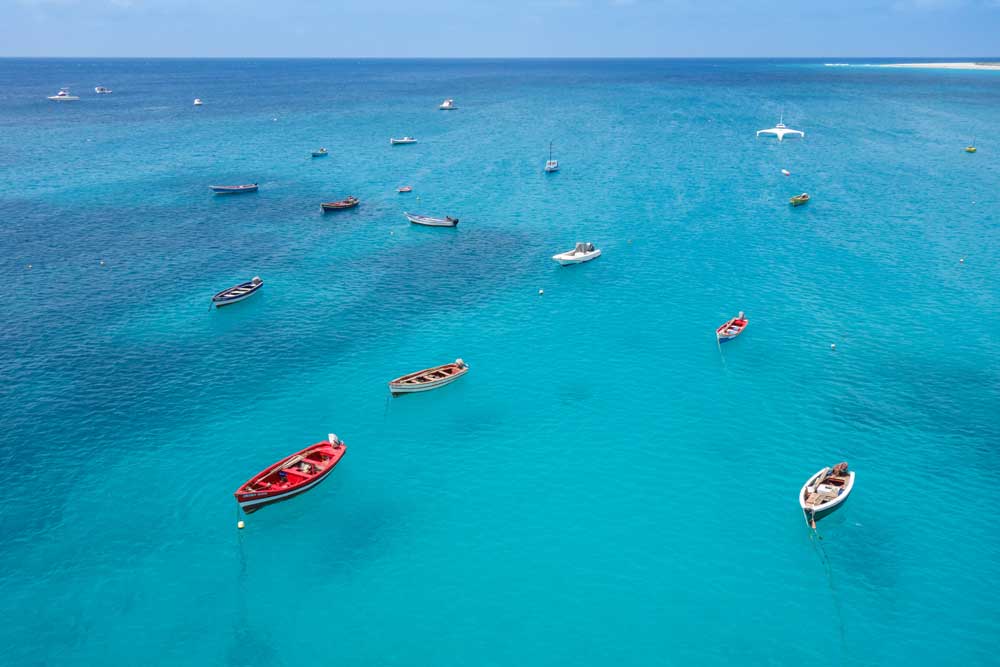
x,y
63,96
799,200
448,105
291,475
971,148
101,90
583,252
405,188
429,378
320,153
732,328
349,202
428,221
825,491
404,140
785,172
197,102
242,291
233,189
551,165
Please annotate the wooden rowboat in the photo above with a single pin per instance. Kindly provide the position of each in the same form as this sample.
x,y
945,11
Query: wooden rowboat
x,y
428,221
349,202
429,378
238,293
404,140
405,188
732,328
291,475
825,492
799,200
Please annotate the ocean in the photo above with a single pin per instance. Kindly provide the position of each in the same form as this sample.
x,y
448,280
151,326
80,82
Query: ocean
x,y
607,485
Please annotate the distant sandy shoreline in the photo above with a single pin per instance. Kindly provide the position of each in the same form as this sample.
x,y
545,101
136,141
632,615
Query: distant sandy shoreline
x,y
991,66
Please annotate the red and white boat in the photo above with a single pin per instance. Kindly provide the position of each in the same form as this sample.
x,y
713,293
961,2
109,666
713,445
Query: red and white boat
x,y
429,378
291,475
732,328
405,188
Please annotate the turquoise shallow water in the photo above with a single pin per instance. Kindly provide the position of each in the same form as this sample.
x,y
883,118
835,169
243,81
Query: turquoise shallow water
x,y
606,486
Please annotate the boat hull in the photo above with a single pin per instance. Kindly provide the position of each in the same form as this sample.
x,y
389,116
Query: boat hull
x,y
431,222
565,260
397,387
232,190
251,501
815,513
221,299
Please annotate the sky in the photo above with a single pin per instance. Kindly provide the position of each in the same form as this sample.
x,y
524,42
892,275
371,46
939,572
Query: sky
x,y
499,28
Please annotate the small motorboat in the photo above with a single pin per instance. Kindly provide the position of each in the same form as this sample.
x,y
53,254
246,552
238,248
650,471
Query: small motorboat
x,y
448,105
428,221
732,328
404,140
405,188
349,202
242,291
551,165
583,252
785,172
101,90
63,96
320,153
197,102
291,475
233,189
799,200
825,491
429,378
971,148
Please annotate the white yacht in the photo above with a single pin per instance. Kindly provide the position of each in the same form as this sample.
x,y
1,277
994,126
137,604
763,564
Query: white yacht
x,y
197,101
448,105
781,130
101,90
63,96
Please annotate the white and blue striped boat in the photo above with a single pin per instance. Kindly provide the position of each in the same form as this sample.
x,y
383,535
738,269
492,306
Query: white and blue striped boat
x,y
233,189
237,293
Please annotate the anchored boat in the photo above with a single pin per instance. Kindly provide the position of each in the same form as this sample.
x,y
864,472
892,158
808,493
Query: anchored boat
x,y
404,140
291,475
63,96
551,165
101,90
428,221
237,293
233,189
583,252
825,492
732,328
320,153
405,188
349,202
448,105
429,378
799,200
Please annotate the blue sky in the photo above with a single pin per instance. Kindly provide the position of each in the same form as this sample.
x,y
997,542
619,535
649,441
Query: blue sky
x,y
488,28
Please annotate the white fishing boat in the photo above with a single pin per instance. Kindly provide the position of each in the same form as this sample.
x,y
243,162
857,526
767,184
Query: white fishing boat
x,y
825,492
583,252
551,165
781,131
197,102
405,140
63,96
428,221
101,90
448,105
238,293
429,378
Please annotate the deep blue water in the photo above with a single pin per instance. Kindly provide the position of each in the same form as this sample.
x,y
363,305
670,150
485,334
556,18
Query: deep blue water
x,y
606,486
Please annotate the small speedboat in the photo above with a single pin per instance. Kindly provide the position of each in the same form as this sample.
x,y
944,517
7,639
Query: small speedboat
x,y
348,202
291,475
583,252
405,188
429,378
242,291
63,96
785,172
233,189
404,140
197,102
551,165
799,200
320,153
825,491
732,328
428,221
101,90
448,105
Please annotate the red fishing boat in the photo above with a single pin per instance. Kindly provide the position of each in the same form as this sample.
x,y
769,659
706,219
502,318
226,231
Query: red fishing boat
x,y
291,475
732,328
350,202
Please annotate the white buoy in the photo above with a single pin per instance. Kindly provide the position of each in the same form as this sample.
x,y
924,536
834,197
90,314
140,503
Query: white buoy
x,y
240,524
541,292
961,261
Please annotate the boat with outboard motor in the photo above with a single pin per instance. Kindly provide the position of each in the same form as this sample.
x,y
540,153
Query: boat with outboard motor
x,y
428,221
825,492
429,378
583,252
732,328
237,293
291,475
348,202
